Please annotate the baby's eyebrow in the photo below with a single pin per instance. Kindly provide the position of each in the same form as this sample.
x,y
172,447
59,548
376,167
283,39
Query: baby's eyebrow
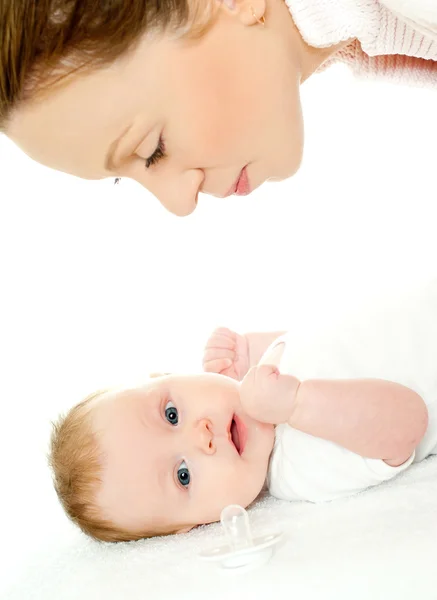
x,y
166,481
163,480
149,410
166,469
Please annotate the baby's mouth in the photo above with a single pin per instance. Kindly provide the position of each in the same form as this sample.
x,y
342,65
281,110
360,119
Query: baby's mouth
x,y
235,437
237,434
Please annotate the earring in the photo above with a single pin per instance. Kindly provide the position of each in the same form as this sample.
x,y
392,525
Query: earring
x,y
261,20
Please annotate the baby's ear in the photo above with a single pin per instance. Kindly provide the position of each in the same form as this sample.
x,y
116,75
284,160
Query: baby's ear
x,y
152,375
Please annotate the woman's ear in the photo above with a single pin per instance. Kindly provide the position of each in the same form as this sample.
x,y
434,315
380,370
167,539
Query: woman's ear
x,y
249,12
252,12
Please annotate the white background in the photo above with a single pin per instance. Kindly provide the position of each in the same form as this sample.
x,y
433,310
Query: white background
x,y
100,285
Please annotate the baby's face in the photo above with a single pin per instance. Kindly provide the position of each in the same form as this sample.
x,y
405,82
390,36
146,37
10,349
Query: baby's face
x,y
177,451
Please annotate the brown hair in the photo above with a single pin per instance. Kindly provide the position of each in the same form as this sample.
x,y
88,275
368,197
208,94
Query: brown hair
x,y
77,465
42,41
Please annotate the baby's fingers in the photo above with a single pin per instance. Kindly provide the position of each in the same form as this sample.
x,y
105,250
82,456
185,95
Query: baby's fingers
x,y
266,372
261,375
222,338
217,365
214,353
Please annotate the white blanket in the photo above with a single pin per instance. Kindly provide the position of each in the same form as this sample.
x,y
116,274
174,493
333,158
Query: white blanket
x,y
381,544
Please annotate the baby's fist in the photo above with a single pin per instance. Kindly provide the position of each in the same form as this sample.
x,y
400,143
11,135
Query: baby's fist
x,y
227,353
268,396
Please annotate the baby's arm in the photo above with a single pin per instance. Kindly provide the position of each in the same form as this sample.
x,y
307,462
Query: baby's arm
x,y
371,417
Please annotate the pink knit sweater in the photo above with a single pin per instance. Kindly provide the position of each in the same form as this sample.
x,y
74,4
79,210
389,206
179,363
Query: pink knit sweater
x,y
400,45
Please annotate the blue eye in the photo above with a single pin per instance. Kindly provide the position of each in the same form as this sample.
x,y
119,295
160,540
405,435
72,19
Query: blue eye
x,y
171,413
184,474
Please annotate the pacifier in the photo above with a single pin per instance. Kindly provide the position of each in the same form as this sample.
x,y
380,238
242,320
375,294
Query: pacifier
x,y
243,551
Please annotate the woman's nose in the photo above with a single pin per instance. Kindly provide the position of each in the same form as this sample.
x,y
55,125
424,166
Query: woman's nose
x,y
178,192
205,437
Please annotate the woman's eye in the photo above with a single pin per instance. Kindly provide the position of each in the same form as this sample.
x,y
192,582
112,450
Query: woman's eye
x,y
171,413
158,155
184,474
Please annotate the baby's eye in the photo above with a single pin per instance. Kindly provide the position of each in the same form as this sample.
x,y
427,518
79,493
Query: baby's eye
x,y
184,474
171,413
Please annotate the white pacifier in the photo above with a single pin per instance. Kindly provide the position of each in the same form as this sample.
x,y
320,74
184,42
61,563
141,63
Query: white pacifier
x,y
243,551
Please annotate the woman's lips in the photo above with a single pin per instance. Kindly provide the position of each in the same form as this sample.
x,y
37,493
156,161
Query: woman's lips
x,y
241,186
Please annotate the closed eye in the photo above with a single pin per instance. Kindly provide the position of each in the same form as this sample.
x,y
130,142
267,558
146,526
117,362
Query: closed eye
x,y
158,155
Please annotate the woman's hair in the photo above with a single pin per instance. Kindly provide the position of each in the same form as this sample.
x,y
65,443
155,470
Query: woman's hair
x,y
42,41
77,465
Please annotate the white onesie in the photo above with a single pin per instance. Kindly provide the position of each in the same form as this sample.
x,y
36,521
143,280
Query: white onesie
x,y
396,343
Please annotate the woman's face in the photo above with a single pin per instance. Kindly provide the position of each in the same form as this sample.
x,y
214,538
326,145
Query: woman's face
x,y
180,116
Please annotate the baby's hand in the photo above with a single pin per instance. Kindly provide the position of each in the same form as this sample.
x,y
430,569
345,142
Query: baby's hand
x,y
268,396
226,352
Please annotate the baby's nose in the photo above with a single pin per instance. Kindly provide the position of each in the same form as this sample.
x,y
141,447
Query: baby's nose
x,y
205,437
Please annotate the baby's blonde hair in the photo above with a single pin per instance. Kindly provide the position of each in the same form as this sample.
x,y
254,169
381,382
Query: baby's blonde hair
x,y
77,465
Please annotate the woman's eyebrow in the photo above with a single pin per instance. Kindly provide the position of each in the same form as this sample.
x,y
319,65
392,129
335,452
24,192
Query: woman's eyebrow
x,y
112,150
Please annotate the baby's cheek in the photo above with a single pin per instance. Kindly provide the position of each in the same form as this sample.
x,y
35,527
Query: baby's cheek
x,y
246,484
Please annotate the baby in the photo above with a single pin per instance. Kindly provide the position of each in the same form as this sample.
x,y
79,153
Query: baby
x,y
300,415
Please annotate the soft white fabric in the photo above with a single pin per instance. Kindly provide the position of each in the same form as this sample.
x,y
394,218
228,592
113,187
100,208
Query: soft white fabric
x,y
397,342
378,25
392,39
304,467
380,545
418,13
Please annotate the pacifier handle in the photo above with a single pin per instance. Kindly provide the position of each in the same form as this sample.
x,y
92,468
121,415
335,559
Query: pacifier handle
x,y
235,522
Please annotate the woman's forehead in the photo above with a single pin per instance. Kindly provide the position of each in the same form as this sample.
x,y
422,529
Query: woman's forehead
x,y
72,129
72,126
